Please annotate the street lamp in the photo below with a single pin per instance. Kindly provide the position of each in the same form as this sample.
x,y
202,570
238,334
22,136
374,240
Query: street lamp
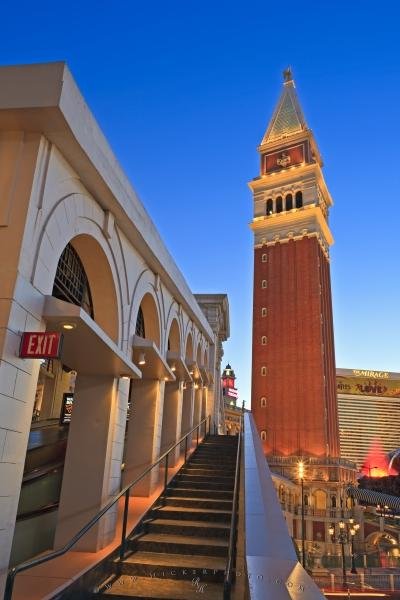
x,y
345,536
303,549
354,527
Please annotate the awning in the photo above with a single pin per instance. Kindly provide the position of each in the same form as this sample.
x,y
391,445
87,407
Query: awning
x,y
86,348
373,498
155,366
175,361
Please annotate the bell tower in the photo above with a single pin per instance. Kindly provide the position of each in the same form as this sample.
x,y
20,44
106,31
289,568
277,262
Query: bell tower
x,y
293,363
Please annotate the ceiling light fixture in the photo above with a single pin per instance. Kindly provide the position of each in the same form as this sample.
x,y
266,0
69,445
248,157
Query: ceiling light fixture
x,y
142,358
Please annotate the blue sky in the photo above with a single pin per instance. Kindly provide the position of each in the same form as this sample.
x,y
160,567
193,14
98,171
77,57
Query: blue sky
x,y
184,90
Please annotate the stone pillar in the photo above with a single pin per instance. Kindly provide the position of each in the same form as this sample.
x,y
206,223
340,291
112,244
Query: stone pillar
x,y
89,469
188,411
144,434
172,419
198,396
205,407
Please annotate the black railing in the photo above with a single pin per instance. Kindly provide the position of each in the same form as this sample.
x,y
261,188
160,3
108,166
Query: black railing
x,y
124,492
230,565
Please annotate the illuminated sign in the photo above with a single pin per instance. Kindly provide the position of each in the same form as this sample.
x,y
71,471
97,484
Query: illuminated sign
x,y
375,374
66,410
368,386
38,344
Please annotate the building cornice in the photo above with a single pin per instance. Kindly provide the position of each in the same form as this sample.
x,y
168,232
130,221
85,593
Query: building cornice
x,y
275,224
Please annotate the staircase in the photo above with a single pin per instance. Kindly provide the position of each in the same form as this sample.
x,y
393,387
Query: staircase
x,y
183,549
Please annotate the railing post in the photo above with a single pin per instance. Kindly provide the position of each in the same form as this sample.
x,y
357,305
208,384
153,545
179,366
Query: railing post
x,y
197,431
166,473
122,549
186,445
9,585
209,424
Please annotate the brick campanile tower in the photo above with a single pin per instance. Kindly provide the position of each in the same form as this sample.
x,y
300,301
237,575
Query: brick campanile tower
x,y
293,365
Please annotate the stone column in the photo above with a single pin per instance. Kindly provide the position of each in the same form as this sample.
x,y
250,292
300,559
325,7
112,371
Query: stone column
x,y
91,462
198,396
143,442
187,411
172,420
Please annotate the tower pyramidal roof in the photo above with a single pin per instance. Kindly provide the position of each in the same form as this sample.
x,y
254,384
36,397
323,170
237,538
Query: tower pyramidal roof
x,y
288,117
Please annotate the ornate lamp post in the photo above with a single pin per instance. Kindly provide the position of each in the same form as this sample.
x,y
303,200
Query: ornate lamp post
x,y
354,527
303,549
345,535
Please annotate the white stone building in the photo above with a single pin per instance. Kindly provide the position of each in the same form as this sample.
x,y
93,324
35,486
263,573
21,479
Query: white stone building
x,y
134,325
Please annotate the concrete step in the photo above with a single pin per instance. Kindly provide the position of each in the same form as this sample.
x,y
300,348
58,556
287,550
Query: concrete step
x,y
199,514
189,528
194,470
226,479
198,503
200,493
178,566
149,588
215,452
211,464
181,544
192,483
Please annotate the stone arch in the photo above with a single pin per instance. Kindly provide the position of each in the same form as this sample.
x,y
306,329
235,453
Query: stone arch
x,y
198,354
98,257
205,358
151,318
189,348
381,539
174,337
145,297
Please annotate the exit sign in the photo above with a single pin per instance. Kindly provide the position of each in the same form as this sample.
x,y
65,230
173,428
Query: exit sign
x,y
37,344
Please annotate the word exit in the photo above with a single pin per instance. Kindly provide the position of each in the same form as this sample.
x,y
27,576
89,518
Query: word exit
x,y
40,345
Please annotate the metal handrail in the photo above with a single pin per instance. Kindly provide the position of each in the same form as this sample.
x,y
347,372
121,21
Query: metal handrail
x,y
124,492
232,532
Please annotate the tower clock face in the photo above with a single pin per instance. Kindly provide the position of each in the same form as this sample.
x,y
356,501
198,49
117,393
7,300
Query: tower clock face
x,y
285,158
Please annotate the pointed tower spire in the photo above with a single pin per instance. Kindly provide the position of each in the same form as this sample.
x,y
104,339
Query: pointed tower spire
x,y
288,117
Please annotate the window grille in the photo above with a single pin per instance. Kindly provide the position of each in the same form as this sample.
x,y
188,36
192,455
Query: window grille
x,y
71,283
140,329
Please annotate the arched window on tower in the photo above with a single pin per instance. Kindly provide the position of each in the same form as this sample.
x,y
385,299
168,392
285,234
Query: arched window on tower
x,y
289,202
279,204
71,283
263,435
299,199
139,329
333,501
270,206
263,402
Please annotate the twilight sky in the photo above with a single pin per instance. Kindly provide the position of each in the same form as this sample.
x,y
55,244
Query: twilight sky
x,y
184,90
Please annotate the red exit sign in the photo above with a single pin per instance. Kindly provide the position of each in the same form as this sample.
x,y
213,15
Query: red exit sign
x,y
37,344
